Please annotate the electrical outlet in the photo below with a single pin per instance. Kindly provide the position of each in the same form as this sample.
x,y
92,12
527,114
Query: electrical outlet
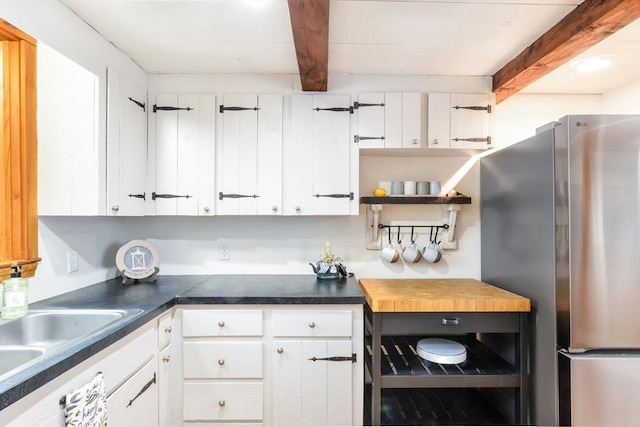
x,y
224,251
72,261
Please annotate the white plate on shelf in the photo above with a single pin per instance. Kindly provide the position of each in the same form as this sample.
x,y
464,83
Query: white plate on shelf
x,y
441,350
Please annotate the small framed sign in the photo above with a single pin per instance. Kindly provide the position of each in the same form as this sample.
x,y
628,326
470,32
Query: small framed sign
x,y
136,260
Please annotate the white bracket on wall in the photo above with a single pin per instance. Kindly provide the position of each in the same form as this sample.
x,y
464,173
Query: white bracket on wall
x,y
449,217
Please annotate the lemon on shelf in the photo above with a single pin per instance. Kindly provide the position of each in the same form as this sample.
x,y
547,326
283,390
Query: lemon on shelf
x,y
379,192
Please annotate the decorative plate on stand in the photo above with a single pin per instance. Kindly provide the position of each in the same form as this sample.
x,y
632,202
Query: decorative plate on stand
x,y
136,260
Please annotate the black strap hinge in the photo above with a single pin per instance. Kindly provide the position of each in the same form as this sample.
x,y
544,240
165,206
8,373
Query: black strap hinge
x,y
157,108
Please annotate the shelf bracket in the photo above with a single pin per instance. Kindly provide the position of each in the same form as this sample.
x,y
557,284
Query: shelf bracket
x,y
450,215
374,237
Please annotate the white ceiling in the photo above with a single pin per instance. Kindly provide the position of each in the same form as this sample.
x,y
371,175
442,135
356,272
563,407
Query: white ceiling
x,y
430,37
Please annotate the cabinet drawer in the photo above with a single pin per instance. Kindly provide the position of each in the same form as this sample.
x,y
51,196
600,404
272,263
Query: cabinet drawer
x,y
215,323
449,323
222,360
222,401
126,408
165,330
312,323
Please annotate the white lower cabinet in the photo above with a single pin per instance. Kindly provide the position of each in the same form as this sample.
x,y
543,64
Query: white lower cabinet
x,y
129,369
272,366
313,367
312,393
135,403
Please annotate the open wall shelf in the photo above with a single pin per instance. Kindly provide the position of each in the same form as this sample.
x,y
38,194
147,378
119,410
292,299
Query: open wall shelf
x,y
415,200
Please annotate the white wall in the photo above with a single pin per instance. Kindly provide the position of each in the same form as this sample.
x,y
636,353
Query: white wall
x,y
53,24
274,245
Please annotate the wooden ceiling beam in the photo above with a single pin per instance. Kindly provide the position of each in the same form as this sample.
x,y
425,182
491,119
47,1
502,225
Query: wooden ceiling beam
x,y
310,25
588,24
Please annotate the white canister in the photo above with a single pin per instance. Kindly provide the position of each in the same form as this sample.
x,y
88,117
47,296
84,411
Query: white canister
x,y
409,188
434,188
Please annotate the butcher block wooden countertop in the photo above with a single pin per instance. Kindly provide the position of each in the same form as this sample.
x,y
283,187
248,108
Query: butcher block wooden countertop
x,y
439,295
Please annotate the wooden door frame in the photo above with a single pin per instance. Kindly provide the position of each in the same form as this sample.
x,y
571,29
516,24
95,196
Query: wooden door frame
x,y
18,152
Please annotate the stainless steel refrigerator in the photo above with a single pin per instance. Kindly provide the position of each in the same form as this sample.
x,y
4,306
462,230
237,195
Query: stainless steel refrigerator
x,y
560,224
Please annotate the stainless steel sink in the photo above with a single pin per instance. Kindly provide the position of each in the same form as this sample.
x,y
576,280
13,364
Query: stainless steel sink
x,y
12,357
44,333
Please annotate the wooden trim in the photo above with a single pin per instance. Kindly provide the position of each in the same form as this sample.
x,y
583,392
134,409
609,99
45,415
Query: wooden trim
x,y
591,22
18,152
310,25
10,33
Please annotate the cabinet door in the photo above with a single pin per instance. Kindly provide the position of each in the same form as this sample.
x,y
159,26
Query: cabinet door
x,y
393,120
126,146
165,403
184,155
250,152
308,393
412,128
371,121
438,120
470,120
71,170
135,403
318,160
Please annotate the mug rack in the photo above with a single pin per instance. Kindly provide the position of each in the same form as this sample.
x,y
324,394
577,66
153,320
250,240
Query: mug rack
x,y
433,237
450,207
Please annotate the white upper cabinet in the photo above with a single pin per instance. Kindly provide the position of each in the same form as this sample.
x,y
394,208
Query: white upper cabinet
x,y
390,120
126,146
318,162
183,158
250,155
460,120
71,178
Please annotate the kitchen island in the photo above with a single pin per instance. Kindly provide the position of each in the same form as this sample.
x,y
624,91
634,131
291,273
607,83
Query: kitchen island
x,y
403,389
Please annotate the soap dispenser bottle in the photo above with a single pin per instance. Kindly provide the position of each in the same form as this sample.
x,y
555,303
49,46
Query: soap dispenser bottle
x,y
15,295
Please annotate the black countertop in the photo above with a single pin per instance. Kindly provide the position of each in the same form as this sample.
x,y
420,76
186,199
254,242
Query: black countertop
x,y
154,298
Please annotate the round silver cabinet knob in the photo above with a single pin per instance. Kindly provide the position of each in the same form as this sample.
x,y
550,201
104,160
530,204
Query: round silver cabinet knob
x,y
221,362
298,209
166,359
280,350
206,209
435,141
221,403
414,141
115,208
312,325
221,324
274,209
168,329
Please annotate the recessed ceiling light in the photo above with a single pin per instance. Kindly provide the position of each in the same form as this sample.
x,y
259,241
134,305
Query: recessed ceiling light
x,y
590,65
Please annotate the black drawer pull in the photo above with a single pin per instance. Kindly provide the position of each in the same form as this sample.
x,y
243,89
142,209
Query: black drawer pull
x,y
450,321
142,196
